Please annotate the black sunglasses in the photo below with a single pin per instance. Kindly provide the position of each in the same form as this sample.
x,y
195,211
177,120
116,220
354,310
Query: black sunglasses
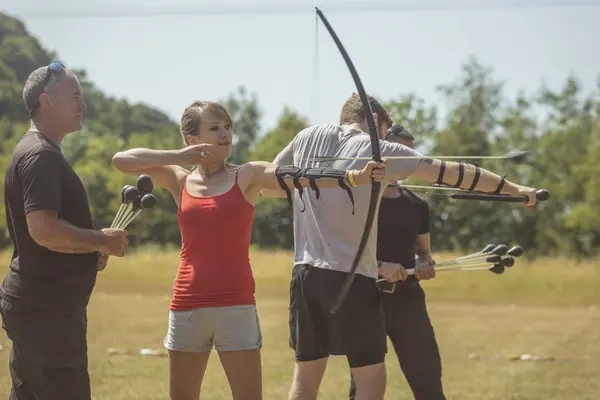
x,y
399,131
54,67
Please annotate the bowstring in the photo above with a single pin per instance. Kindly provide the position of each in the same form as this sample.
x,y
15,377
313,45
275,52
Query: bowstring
x,y
315,73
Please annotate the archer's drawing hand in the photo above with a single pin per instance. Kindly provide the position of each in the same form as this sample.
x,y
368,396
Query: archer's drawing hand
x,y
392,271
373,170
424,266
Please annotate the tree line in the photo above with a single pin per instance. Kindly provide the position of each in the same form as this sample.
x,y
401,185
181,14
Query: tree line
x,y
561,128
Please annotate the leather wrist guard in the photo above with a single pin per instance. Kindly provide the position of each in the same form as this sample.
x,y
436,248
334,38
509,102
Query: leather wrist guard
x,y
312,174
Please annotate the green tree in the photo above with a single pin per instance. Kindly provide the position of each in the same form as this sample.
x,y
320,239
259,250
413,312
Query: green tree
x,y
273,221
246,114
561,129
411,112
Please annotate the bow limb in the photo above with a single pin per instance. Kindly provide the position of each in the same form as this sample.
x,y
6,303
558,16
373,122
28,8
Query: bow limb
x,y
375,186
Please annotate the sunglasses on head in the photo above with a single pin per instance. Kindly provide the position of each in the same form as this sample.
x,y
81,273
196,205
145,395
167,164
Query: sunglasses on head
x,y
398,131
55,68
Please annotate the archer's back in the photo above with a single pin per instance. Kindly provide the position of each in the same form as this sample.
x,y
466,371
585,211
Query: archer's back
x,y
328,230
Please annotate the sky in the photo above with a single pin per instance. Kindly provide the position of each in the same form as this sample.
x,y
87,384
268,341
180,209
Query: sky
x,y
199,50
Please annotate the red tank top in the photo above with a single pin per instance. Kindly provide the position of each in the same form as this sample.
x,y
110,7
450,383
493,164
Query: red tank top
x,y
214,269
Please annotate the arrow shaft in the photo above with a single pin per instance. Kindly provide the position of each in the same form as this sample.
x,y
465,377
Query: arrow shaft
x,y
440,188
514,155
542,194
128,220
413,158
118,214
477,267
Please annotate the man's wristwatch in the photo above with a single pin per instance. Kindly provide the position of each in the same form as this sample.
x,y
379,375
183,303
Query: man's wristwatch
x,y
424,258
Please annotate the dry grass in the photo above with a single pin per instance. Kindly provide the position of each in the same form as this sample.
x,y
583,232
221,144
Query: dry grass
x,y
548,308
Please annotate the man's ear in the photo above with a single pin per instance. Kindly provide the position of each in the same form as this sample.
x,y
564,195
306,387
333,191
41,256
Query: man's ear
x,y
375,118
44,100
378,126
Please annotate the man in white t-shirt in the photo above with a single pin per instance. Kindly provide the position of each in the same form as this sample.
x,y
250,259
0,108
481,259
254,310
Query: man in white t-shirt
x,y
327,233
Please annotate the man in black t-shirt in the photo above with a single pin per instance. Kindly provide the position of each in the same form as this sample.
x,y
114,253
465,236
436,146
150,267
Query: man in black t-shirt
x,y
57,252
403,231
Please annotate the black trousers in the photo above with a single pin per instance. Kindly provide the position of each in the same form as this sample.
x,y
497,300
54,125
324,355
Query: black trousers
x,y
48,360
409,328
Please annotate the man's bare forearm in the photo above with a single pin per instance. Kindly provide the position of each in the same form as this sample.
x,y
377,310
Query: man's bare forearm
x,y
266,177
423,244
63,237
488,181
485,180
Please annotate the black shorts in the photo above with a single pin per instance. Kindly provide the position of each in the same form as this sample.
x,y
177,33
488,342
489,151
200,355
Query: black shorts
x,y
356,330
48,360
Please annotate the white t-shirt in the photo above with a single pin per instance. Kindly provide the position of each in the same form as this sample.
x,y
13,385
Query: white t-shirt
x,y
326,233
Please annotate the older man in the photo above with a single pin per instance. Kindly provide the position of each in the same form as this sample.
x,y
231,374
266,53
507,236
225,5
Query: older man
x,y
57,251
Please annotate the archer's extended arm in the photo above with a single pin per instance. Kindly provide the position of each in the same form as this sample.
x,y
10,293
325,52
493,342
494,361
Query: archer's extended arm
x,y
471,178
268,176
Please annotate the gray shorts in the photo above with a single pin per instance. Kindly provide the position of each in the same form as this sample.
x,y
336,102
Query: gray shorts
x,y
225,328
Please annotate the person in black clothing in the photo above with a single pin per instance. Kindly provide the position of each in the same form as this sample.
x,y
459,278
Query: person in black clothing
x,y
57,251
403,231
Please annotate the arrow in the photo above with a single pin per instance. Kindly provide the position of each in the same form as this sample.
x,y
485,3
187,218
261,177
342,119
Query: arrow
x,y
517,156
541,195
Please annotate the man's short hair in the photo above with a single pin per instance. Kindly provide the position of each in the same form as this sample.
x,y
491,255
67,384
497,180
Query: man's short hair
x,y
354,112
36,84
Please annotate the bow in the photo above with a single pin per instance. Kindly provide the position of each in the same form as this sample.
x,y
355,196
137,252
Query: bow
x,y
375,186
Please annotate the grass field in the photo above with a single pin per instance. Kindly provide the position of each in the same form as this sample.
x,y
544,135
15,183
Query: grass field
x,y
548,307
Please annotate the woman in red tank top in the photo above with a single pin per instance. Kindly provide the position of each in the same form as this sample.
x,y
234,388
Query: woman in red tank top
x,y
213,302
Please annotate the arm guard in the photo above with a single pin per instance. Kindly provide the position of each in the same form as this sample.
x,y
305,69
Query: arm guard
x,y
500,185
312,174
475,178
461,173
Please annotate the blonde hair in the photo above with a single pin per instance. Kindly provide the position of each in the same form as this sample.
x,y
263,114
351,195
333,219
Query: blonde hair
x,y
191,120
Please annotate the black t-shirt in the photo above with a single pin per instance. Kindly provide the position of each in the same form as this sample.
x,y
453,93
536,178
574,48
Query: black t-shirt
x,y
401,220
39,178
